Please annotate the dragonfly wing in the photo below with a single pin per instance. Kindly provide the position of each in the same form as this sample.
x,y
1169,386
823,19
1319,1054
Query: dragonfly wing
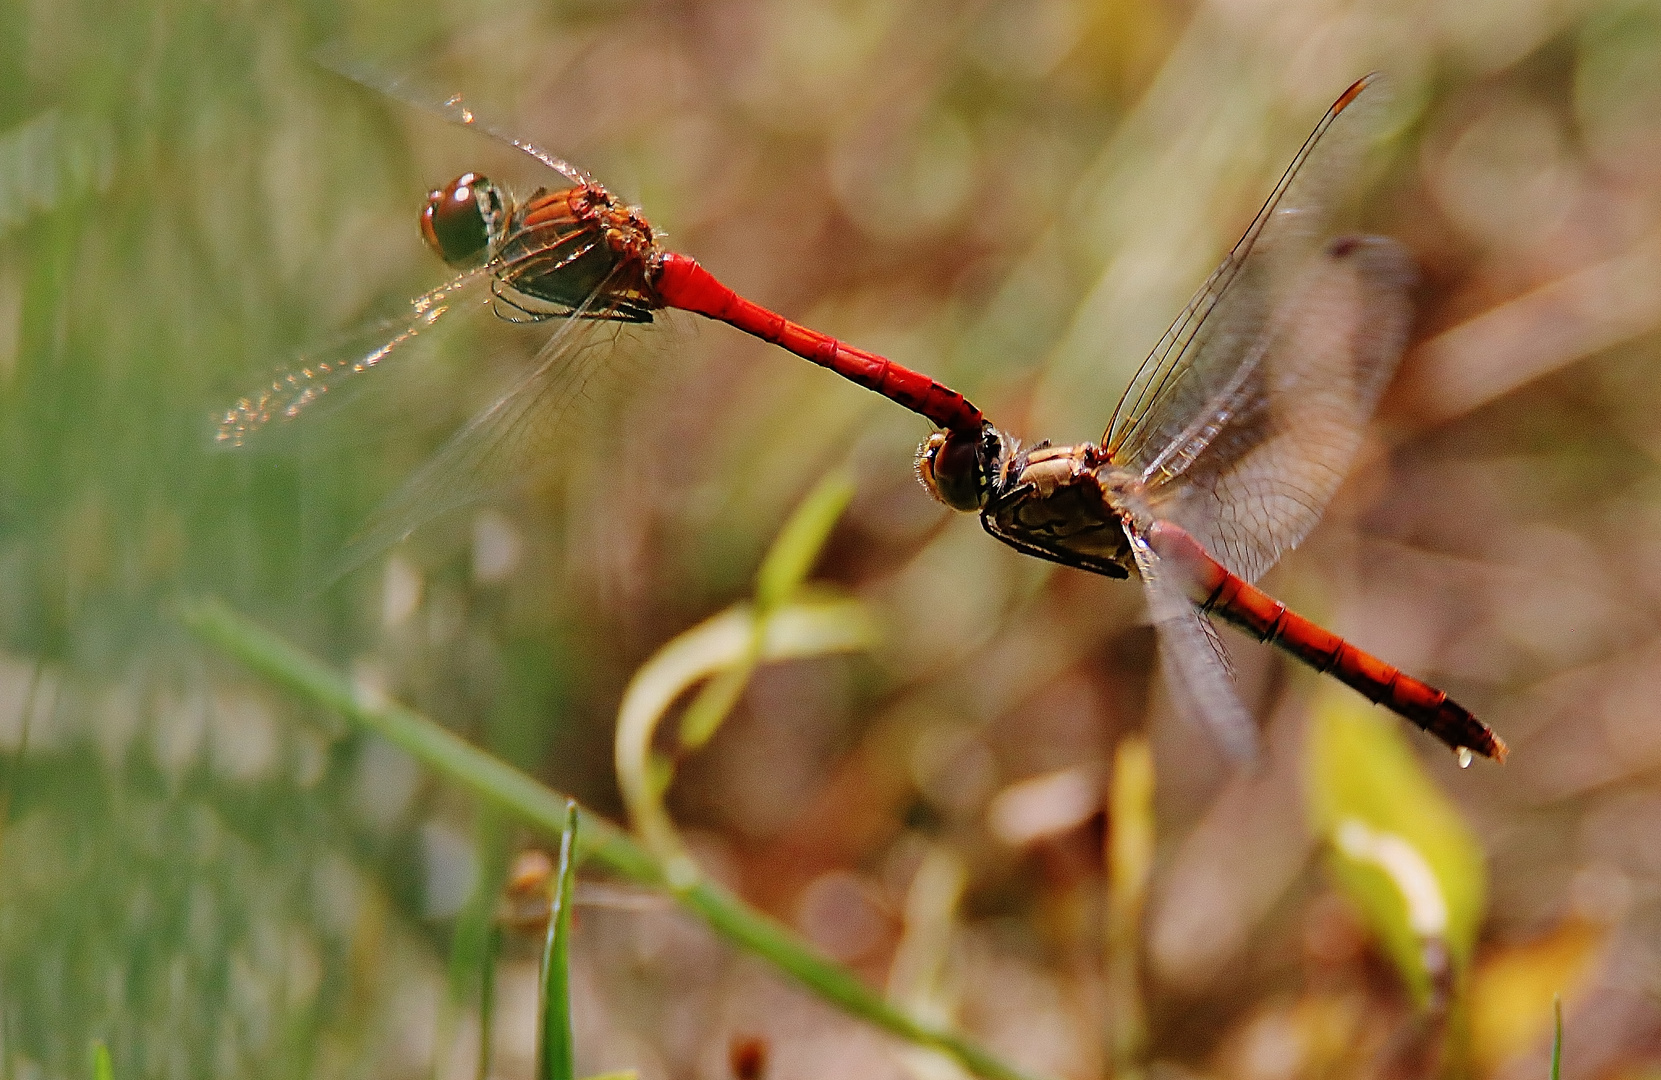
x,y
1213,422
508,445
448,106
1252,481
1197,356
336,363
1215,639
1192,657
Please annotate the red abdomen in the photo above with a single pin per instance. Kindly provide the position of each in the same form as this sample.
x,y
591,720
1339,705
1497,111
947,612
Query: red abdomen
x,y
682,283
1215,589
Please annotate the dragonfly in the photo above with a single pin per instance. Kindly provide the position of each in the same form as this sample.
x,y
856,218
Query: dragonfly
x,y
1222,454
576,253
1228,444
570,254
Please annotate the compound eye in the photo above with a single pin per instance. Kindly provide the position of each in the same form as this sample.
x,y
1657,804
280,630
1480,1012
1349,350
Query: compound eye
x,y
460,220
949,466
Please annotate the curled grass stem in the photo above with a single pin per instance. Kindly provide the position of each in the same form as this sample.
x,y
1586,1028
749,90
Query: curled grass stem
x,y
544,809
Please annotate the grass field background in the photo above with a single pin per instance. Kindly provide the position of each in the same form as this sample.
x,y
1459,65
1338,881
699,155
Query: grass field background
x,y
216,878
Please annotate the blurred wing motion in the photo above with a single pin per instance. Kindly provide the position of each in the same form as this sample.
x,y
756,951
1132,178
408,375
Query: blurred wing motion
x,y
524,434
1257,395
447,106
331,366
1196,666
1257,474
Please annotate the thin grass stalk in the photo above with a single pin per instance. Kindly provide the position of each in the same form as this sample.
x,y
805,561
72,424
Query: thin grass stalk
x,y
598,839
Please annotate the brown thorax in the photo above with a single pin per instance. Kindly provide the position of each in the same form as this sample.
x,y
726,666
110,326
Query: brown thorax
x,y
1062,503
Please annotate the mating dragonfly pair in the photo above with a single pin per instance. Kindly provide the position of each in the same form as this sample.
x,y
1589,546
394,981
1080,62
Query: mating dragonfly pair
x,y
1220,456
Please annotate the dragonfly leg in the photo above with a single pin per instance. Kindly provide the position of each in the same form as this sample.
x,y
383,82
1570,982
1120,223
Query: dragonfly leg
x,y
1104,567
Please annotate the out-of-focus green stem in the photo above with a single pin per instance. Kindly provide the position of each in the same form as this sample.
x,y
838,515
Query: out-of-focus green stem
x,y
599,839
779,580
426,741
1557,1037
735,639
1130,847
556,1047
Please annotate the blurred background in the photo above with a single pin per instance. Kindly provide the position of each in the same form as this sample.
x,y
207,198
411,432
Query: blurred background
x,y
1015,197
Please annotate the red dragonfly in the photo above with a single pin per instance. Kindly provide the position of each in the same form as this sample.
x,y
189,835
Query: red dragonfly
x,y
573,254
1227,445
577,253
1222,454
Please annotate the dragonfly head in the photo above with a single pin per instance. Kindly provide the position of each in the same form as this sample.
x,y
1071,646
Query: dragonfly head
x,y
958,466
464,219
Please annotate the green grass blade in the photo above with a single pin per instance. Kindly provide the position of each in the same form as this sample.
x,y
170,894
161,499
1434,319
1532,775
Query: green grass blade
x,y
1398,847
1557,1037
555,1047
798,544
102,1069
714,703
798,629
427,742
524,798
472,941
487,1003
1131,846
782,573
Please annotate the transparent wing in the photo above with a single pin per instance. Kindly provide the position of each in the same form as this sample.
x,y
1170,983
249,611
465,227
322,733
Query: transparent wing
x,y
451,107
1192,657
1256,396
509,444
1197,355
331,365
1252,473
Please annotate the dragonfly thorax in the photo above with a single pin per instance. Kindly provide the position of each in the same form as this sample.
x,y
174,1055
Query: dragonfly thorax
x,y
1064,503
1068,504
579,250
